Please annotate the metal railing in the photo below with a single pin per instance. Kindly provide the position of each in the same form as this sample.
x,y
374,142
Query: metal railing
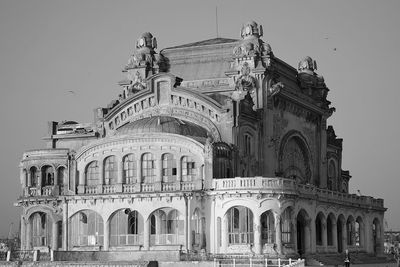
x,y
250,262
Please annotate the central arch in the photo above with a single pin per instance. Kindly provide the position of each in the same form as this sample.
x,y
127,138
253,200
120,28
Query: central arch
x,y
303,232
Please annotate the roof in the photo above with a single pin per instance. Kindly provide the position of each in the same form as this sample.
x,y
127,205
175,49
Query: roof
x,y
163,124
206,42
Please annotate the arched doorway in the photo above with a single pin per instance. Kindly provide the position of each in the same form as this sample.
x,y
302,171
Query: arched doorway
x,y
240,225
267,228
340,231
126,228
87,229
303,232
41,230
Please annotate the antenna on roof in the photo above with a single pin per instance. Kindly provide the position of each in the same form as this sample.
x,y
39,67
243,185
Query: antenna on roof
x,y
216,19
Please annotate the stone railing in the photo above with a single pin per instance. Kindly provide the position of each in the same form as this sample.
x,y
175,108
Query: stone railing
x,y
91,189
47,190
254,183
289,186
144,187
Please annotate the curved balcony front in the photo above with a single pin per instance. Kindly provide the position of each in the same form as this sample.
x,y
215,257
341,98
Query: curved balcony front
x,y
280,185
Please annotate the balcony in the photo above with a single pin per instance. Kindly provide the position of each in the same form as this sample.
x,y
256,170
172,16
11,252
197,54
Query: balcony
x,y
289,186
49,190
144,187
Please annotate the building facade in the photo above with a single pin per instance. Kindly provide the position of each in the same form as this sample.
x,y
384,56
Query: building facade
x,y
214,146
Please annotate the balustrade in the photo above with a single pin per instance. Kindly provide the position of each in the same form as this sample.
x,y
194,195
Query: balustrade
x,y
109,189
47,190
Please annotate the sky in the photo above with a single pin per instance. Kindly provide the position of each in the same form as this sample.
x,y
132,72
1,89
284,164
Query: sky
x,y
50,47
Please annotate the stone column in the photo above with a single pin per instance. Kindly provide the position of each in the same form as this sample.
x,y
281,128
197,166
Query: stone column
x,y
29,178
23,233
278,233
39,182
324,235
186,225
81,182
344,235
158,170
146,234
54,238
65,226
120,177
224,234
139,171
101,176
257,234
334,235
28,234
56,187
293,233
106,235
313,231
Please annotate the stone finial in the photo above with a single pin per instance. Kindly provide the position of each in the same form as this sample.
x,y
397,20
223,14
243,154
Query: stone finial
x,y
251,28
307,65
252,45
146,40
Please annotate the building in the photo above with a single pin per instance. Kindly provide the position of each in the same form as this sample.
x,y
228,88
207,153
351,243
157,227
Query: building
x,y
214,146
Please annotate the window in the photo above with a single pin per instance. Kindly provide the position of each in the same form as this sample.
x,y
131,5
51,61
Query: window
x,y
126,228
240,225
92,173
331,175
87,229
247,145
47,176
188,169
168,168
110,170
40,229
61,175
34,176
286,229
318,230
148,168
268,227
130,171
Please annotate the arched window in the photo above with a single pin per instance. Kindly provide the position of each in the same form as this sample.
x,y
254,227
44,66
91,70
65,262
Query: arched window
x,y
168,168
167,227
110,170
61,175
130,169
318,229
34,176
350,231
47,176
240,225
148,168
188,169
40,229
87,229
331,175
126,228
196,228
267,228
248,148
92,173
286,229
295,161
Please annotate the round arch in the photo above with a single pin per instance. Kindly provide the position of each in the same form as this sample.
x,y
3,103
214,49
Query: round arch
x,y
303,226
295,157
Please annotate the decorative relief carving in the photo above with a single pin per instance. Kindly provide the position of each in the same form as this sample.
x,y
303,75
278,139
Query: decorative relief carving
x,y
208,84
